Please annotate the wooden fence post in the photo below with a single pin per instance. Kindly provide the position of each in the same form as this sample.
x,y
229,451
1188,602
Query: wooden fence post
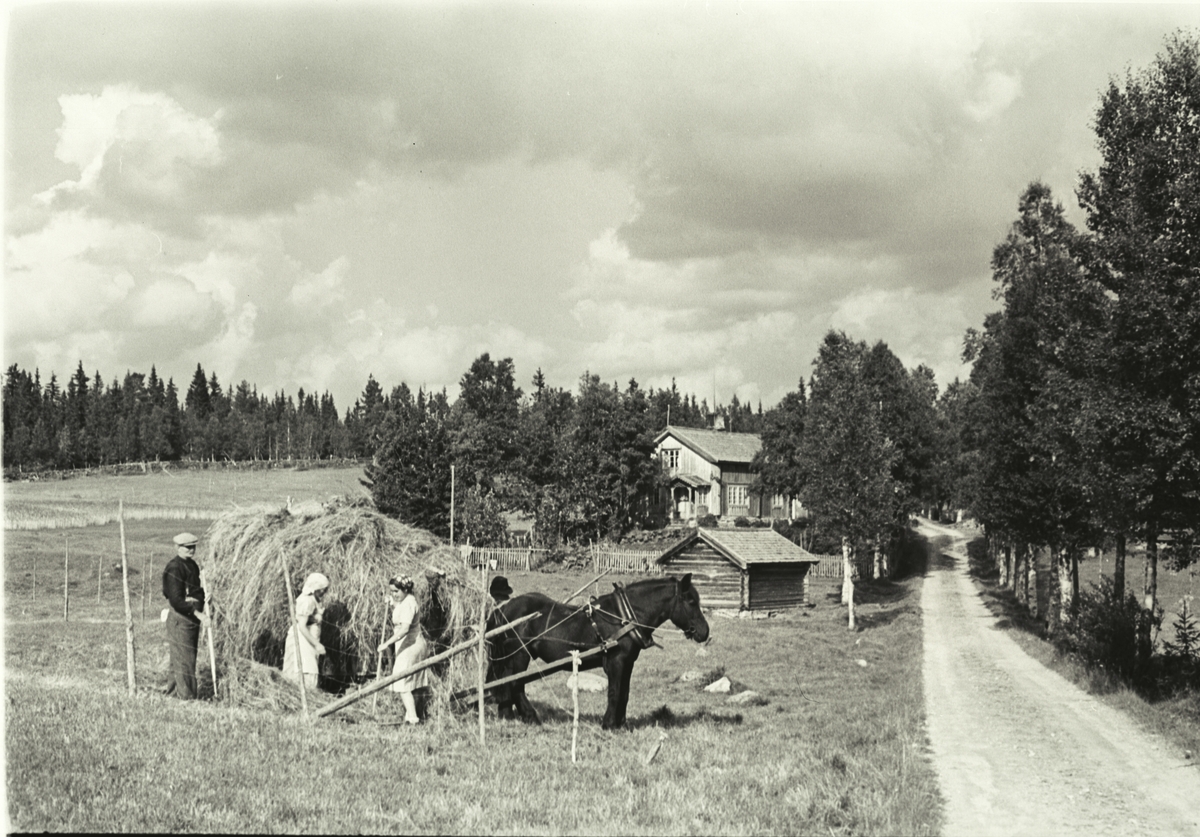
x,y
66,576
99,575
145,571
575,700
129,649
482,645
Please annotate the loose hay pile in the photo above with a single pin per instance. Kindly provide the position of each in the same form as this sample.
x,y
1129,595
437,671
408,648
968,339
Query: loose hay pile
x,y
359,549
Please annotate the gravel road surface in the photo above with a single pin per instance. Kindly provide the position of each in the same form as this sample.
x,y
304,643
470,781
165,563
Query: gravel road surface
x,y
1020,750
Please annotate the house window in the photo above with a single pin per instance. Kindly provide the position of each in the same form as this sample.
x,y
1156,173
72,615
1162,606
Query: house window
x,y
738,496
670,459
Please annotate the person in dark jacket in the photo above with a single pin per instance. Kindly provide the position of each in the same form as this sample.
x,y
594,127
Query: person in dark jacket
x,y
500,590
185,615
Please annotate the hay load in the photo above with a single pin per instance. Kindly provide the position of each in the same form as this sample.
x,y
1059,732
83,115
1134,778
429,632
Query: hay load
x,y
359,549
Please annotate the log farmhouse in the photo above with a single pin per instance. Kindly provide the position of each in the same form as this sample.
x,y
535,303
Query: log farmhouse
x,y
743,569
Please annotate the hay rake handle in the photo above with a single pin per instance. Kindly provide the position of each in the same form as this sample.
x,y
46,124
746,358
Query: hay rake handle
x,y
421,666
527,676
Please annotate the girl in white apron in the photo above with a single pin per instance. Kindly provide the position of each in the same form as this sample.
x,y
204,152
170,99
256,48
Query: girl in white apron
x,y
409,642
309,613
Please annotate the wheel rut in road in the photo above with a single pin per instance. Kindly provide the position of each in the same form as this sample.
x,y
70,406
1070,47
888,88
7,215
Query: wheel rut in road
x,y
1020,750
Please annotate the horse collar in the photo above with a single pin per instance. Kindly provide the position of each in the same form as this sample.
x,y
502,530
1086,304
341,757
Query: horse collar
x,y
630,625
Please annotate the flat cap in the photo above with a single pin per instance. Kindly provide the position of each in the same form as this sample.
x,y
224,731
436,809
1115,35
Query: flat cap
x,y
186,539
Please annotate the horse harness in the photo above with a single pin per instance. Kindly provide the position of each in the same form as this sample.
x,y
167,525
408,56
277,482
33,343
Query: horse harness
x,y
643,636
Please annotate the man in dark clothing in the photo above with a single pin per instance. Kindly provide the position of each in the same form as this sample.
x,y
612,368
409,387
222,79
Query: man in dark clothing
x,y
181,586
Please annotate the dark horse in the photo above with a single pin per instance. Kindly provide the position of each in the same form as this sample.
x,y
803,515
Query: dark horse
x,y
563,628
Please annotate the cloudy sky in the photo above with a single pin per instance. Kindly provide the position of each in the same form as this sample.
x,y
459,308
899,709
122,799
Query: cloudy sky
x,y
300,196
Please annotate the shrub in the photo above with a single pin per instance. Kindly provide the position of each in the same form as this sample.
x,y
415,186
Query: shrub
x,y
1183,655
708,521
1104,631
741,522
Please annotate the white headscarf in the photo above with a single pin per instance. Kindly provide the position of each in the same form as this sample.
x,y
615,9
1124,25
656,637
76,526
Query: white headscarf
x,y
314,582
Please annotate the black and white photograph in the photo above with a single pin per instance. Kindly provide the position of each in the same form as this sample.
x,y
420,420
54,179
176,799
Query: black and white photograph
x,y
484,417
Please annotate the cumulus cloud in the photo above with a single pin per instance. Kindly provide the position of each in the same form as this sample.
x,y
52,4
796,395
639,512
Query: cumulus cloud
x,y
144,145
322,289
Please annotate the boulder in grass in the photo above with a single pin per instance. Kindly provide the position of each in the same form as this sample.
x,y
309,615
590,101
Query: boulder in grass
x,y
721,687
747,698
588,682
691,676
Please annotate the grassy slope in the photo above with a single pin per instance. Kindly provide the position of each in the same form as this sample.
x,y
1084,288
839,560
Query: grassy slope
x,y
187,494
1177,720
838,749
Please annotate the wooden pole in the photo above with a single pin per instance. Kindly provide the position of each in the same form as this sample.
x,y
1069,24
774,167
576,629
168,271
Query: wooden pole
x,y
66,576
575,700
212,651
287,581
145,570
34,597
129,649
452,505
586,586
482,645
379,660
343,702
99,575
530,675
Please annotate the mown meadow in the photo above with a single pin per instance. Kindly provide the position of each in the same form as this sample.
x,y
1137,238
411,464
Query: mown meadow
x,y
165,494
838,747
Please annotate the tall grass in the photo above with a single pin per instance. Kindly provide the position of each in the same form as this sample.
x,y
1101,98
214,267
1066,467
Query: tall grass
x,y
838,747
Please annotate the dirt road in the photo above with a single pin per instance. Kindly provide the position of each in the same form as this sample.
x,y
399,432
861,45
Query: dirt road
x,y
1018,749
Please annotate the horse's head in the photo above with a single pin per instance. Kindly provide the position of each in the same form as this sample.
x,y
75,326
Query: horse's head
x,y
685,610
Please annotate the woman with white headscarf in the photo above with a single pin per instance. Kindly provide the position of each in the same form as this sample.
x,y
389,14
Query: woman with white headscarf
x,y
309,613
409,642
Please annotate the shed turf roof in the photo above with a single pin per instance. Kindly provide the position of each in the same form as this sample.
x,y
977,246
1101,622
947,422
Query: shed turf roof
x,y
747,546
716,445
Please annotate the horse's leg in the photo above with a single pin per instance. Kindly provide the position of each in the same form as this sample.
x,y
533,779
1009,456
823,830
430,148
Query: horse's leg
x,y
511,695
614,669
524,707
623,693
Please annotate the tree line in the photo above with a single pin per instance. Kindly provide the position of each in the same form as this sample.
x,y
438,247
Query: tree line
x,y
579,463
1080,424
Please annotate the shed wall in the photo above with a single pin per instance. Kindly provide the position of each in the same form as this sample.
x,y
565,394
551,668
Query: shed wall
x,y
716,579
777,585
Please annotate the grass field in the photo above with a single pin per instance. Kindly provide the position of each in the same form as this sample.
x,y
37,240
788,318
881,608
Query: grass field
x,y
167,495
839,747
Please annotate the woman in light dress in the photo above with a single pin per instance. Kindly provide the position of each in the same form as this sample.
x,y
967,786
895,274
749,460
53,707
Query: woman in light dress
x,y
409,642
309,613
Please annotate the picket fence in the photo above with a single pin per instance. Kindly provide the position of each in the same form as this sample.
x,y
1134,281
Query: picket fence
x,y
625,561
504,558
830,566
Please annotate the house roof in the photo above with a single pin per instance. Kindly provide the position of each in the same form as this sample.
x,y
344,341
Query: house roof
x,y
716,445
746,546
690,480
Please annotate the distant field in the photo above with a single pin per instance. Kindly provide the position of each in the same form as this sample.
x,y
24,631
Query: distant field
x,y
179,495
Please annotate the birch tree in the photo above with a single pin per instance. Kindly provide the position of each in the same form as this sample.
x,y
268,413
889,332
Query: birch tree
x,y
847,458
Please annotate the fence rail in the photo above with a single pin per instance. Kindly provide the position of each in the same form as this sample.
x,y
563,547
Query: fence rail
x,y
505,558
831,567
626,561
